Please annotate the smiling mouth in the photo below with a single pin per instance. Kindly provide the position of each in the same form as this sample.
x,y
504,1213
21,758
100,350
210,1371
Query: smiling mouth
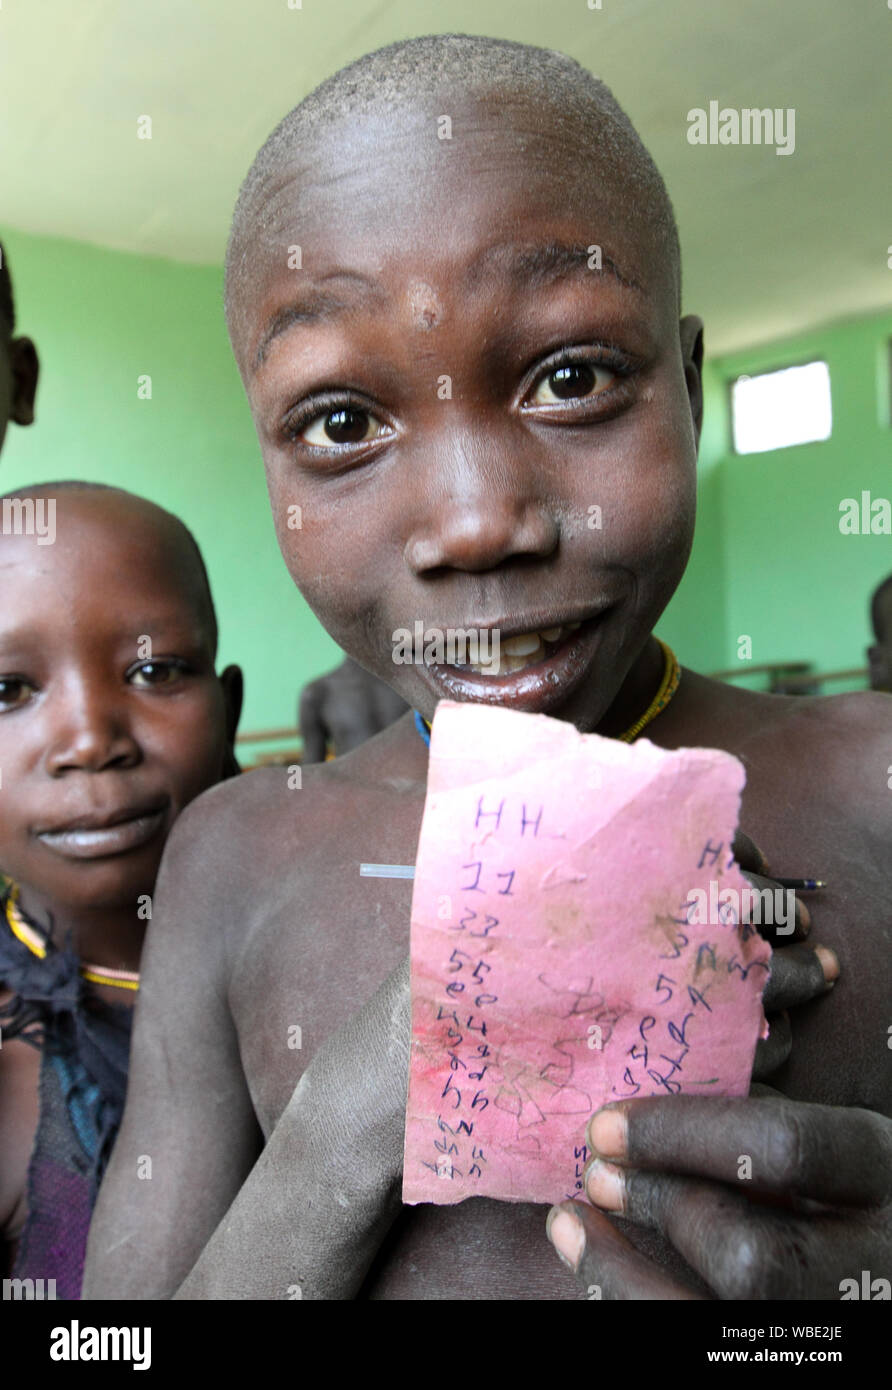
x,y
121,834
535,670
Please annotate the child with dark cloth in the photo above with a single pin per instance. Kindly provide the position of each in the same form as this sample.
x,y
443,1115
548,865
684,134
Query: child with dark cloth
x,y
112,720
450,195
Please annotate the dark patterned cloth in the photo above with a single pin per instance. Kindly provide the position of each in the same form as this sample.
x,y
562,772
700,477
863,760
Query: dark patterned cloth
x,y
84,1045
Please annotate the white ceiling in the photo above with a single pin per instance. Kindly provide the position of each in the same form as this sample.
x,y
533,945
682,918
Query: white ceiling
x,y
772,244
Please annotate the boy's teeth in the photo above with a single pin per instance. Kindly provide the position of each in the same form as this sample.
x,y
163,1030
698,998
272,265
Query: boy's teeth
x,y
525,649
525,644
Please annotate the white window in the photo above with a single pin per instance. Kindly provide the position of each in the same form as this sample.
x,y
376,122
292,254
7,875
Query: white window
x,y
777,409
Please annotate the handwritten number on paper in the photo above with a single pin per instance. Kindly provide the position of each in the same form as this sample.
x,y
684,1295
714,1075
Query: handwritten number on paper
x,y
475,886
678,948
450,1087
487,927
660,987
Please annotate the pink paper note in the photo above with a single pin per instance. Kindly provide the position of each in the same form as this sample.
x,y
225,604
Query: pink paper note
x,y
574,941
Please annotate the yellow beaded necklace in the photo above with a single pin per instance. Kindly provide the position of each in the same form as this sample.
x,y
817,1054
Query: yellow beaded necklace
x,y
96,974
668,686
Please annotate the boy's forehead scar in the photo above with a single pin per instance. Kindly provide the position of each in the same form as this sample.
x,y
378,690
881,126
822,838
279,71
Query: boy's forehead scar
x,y
534,266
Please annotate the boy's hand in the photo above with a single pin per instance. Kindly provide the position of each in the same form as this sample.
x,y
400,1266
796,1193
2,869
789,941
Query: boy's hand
x,y
764,1198
798,973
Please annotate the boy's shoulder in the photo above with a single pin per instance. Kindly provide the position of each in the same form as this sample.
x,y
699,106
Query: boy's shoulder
x,y
837,747
858,716
857,724
247,824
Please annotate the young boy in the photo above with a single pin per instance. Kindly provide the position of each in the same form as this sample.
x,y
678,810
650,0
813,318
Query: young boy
x,y
112,720
483,344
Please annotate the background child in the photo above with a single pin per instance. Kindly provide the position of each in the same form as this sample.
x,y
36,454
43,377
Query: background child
x,y
880,654
18,361
112,720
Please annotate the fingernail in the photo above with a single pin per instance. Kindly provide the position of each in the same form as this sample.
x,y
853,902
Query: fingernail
x,y
804,915
829,962
566,1235
608,1133
605,1185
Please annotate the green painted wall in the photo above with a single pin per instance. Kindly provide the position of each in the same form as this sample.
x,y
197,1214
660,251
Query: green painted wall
x,y
102,319
769,560
793,581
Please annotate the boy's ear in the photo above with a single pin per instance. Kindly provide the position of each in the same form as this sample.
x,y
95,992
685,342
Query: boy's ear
x,y
25,368
233,686
691,334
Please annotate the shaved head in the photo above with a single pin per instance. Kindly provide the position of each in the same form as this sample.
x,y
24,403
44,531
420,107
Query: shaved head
x,y
450,65
144,514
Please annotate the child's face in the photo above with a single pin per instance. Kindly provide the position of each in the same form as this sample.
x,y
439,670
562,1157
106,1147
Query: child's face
x,y
474,488
100,748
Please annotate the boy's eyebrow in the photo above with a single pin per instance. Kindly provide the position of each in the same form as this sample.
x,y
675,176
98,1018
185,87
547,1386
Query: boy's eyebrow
x,y
535,264
542,262
313,304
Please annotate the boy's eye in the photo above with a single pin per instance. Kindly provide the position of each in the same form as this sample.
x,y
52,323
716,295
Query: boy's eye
x,y
346,425
573,381
14,691
150,674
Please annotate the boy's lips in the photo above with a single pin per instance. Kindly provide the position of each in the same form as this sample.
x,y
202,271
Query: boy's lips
x,y
94,835
551,671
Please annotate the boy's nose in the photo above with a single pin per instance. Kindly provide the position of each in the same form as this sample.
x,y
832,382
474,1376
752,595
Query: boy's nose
x,y
91,736
486,509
